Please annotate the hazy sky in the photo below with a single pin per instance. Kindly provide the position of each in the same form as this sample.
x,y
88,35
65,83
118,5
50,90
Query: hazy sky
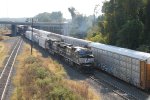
x,y
30,8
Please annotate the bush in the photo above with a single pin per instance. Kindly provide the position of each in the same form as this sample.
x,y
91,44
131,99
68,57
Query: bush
x,y
31,60
41,73
96,36
61,93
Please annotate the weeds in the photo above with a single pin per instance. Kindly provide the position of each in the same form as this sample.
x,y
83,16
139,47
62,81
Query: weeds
x,y
3,52
39,83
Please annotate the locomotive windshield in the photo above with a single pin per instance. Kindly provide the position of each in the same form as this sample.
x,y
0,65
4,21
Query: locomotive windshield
x,y
85,53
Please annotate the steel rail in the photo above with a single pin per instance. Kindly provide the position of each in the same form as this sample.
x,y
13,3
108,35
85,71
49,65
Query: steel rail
x,y
9,59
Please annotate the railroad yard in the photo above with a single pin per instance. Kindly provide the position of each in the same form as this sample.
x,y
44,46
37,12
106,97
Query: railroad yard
x,y
101,84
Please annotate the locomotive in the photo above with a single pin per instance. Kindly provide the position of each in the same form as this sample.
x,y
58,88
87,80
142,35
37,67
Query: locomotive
x,y
81,57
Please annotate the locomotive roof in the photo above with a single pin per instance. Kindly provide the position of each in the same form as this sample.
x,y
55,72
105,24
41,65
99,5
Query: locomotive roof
x,y
122,51
53,39
80,48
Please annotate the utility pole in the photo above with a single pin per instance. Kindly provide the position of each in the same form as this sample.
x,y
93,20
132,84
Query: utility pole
x,y
32,21
32,36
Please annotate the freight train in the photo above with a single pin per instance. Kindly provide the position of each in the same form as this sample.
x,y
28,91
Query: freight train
x,y
80,57
128,65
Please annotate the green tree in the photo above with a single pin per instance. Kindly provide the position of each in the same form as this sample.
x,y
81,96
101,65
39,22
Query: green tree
x,y
126,22
130,34
147,23
95,35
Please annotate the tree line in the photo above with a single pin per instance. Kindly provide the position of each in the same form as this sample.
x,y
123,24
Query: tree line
x,y
125,23
54,17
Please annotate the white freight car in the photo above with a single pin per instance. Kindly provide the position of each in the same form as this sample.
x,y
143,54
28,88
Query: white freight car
x,y
75,41
55,36
128,65
47,34
36,37
42,42
28,35
33,37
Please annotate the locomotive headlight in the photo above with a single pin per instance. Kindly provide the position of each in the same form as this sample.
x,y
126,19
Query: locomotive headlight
x,y
87,60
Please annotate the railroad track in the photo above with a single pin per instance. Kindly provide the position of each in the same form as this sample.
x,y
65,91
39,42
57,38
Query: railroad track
x,y
114,89
117,90
7,71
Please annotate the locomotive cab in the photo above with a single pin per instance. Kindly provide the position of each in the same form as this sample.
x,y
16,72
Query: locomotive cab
x,y
85,58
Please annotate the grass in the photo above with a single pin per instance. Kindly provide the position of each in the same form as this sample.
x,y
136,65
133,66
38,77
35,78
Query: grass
x,y
3,52
4,30
39,78
1,47
1,38
82,88
4,47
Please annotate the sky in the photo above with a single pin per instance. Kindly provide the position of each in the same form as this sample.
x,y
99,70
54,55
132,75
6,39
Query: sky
x,y
30,8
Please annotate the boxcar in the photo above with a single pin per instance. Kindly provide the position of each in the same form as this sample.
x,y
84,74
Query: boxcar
x,y
128,65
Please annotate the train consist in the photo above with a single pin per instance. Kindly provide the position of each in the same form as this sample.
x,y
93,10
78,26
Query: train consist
x,y
125,64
